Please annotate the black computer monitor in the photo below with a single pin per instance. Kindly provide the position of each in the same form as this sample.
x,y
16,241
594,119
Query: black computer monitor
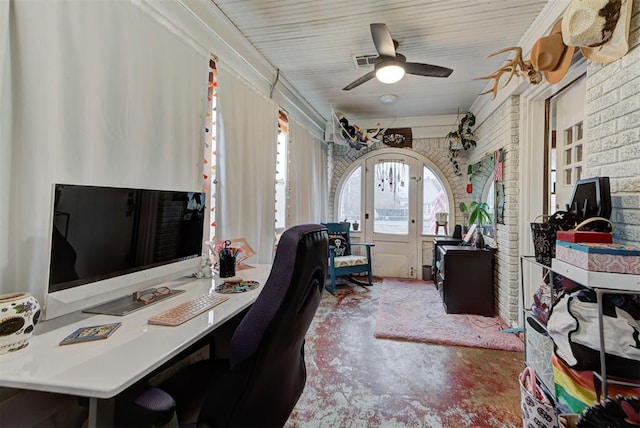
x,y
591,198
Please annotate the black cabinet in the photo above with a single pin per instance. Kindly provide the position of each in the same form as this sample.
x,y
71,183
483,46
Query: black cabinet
x,y
439,242
465,280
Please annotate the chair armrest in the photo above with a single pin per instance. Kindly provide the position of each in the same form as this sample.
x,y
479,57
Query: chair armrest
x,y
332,254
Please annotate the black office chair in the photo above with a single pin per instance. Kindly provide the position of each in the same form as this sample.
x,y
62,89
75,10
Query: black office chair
x,y
265,375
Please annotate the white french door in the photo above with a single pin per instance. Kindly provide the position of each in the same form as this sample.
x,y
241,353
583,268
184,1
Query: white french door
x,y
568,107
391,219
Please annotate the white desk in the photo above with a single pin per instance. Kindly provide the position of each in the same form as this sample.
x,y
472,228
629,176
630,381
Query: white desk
x,y
104,368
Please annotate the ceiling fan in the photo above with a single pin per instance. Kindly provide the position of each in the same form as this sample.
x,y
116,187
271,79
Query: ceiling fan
x,y
390,66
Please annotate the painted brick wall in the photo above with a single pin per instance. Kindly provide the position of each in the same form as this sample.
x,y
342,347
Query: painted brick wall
x,y
500,131
612,132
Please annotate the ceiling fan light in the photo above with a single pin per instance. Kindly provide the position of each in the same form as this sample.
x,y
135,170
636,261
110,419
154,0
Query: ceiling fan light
x,y
390,73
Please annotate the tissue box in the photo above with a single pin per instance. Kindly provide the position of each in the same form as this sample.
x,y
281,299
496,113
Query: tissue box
x,y
599,257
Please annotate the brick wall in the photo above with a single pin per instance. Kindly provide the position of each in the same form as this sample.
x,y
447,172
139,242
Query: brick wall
x,y
612,132
612,148
500,131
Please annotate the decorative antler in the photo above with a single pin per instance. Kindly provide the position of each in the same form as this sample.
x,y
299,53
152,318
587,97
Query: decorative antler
x,y
514,66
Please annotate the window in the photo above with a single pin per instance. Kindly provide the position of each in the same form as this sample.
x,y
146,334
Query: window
x,y
210,153
391,197
281,173
434,200
350,197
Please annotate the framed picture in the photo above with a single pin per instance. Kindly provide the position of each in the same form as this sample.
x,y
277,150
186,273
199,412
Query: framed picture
x,y
500,202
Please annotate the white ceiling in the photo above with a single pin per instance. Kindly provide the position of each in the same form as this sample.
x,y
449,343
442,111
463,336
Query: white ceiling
x,y
312,43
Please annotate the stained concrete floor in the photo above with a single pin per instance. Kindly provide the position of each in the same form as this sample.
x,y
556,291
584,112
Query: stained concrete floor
x,y
357,380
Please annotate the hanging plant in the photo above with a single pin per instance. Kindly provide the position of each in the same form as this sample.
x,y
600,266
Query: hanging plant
x,y
461,139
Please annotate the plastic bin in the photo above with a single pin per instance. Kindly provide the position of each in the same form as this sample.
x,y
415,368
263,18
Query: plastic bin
x,y
426,273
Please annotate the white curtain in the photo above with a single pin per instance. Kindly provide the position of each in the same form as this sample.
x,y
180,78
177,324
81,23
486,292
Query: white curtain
x,y
247,139
308,187
103,94
6,136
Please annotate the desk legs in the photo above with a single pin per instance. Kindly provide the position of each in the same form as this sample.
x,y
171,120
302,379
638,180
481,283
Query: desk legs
x,y
101,412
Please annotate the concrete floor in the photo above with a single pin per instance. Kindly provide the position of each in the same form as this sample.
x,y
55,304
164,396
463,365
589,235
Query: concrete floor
x,y
356,380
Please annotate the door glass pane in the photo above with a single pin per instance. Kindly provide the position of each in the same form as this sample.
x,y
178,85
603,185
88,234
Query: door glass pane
x,y
434,200
349,206
578,131
390,198
568,136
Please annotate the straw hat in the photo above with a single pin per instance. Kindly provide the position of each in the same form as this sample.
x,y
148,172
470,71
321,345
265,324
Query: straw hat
x,y
551,56
599,27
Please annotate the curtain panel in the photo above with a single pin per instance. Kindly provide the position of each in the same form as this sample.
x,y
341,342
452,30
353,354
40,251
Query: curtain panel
x,y
247,143
103,94
6,137
308,187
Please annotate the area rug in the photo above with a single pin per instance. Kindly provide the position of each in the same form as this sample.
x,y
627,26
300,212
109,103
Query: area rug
x,y
413,312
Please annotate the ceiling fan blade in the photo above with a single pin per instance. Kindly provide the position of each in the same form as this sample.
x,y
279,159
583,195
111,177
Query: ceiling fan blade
x,y
382,39
360,81
427,70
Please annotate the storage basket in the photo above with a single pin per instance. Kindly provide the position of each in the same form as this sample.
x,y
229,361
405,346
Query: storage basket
x,y
537,409
544,240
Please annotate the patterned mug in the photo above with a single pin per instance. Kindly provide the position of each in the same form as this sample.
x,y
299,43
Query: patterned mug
x,y
19,313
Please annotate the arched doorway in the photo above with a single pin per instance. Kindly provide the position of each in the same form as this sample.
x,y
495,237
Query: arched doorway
x,y
394,195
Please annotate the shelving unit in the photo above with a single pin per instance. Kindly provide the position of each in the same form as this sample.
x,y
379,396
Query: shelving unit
x,y
544,373
600,280
601,283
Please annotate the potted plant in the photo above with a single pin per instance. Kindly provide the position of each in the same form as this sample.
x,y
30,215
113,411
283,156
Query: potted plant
x,y
478,214
461,139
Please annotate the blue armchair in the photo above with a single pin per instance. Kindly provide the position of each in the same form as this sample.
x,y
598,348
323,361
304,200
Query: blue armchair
x,y
342,262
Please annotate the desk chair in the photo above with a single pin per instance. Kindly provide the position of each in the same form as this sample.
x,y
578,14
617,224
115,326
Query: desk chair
x,y
341,260
265,375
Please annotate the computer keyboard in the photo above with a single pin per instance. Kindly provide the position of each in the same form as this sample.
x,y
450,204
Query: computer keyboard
x,y
183,312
